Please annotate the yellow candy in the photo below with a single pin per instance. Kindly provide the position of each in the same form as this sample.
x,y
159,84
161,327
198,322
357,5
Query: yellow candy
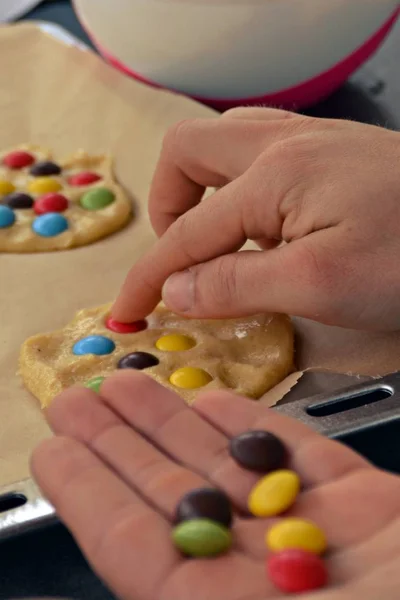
x,y
6,187
44,185
274,493
296,533
175,343
190,378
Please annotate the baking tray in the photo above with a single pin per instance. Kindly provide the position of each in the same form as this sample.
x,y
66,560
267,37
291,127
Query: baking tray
x,y
335,405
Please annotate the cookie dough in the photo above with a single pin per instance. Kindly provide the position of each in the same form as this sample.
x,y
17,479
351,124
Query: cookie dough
x,y
248,355
50,205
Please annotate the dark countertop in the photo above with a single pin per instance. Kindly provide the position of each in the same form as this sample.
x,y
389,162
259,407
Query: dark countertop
x,y
48,563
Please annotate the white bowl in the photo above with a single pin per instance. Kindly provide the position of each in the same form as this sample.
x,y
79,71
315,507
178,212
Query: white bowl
x,y
227,52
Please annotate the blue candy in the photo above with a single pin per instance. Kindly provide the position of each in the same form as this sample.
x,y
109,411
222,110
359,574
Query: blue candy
x,y
50,224
7,217
94,344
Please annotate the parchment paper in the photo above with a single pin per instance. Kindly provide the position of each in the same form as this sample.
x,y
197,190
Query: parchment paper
x,y
65,98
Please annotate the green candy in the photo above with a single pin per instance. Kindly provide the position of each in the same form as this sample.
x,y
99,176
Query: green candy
x,y
97,198
201,537
94,384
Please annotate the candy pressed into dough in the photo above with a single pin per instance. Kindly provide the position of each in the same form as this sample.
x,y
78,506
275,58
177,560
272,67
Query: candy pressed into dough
x,y
248,355
84,226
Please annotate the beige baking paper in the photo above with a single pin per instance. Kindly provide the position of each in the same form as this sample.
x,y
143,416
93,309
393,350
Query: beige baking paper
x,y
65,98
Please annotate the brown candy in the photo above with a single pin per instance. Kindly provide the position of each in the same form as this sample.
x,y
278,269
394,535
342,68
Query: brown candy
x,y
259,451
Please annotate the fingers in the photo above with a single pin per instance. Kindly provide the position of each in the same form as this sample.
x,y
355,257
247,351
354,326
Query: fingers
x,y
197,154
116,530
209,153
202,445
164,419
120,535
265,174
86,480
79,413
299,278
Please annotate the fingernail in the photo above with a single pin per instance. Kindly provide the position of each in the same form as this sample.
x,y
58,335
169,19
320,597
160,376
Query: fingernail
x,y
178,291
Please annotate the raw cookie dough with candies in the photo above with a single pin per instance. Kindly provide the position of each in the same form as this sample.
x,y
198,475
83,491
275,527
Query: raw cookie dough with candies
x,y
248,355
47,205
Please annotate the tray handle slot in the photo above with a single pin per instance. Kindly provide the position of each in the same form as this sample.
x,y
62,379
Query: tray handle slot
x,y
22,507
354,408
12,500
343,403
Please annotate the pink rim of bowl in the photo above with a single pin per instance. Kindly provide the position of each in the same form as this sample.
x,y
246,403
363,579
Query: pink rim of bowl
x,y
297,97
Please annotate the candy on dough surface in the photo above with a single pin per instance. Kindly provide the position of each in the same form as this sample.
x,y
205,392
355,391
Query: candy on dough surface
x,y
248,355
108,209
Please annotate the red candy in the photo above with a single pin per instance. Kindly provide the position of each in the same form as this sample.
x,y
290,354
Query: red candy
x,y
50,202
295,571
18,159
83,178
118,327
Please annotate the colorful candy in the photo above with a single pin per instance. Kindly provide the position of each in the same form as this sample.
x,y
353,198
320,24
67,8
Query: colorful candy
x,y
175,342
205,503
296,571
190,378
50,224
203,517
118,327
51,202
18,200
18,159
138,360
45,168
44,185
295,533
94,344
97,199
201,537
6,187
95,384
83,178
7,217
259,451
274,493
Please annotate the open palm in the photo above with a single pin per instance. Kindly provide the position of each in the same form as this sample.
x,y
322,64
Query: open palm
x,y
120,462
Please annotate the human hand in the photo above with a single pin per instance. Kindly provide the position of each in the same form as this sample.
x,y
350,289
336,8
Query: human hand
x,y
329,188
121,461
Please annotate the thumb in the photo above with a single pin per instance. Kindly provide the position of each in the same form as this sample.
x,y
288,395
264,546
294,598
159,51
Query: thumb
x,y
297,278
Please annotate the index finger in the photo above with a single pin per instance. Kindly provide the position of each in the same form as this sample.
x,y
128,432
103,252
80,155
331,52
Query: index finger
x,y
183,245
198,154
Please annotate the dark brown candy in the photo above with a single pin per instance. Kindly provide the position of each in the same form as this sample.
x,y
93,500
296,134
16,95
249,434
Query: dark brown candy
x,y
205,503
44,168
18,200
138,360
259,451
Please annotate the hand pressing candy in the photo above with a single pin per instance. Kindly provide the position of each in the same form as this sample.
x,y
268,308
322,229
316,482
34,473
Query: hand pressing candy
x,y
328,189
